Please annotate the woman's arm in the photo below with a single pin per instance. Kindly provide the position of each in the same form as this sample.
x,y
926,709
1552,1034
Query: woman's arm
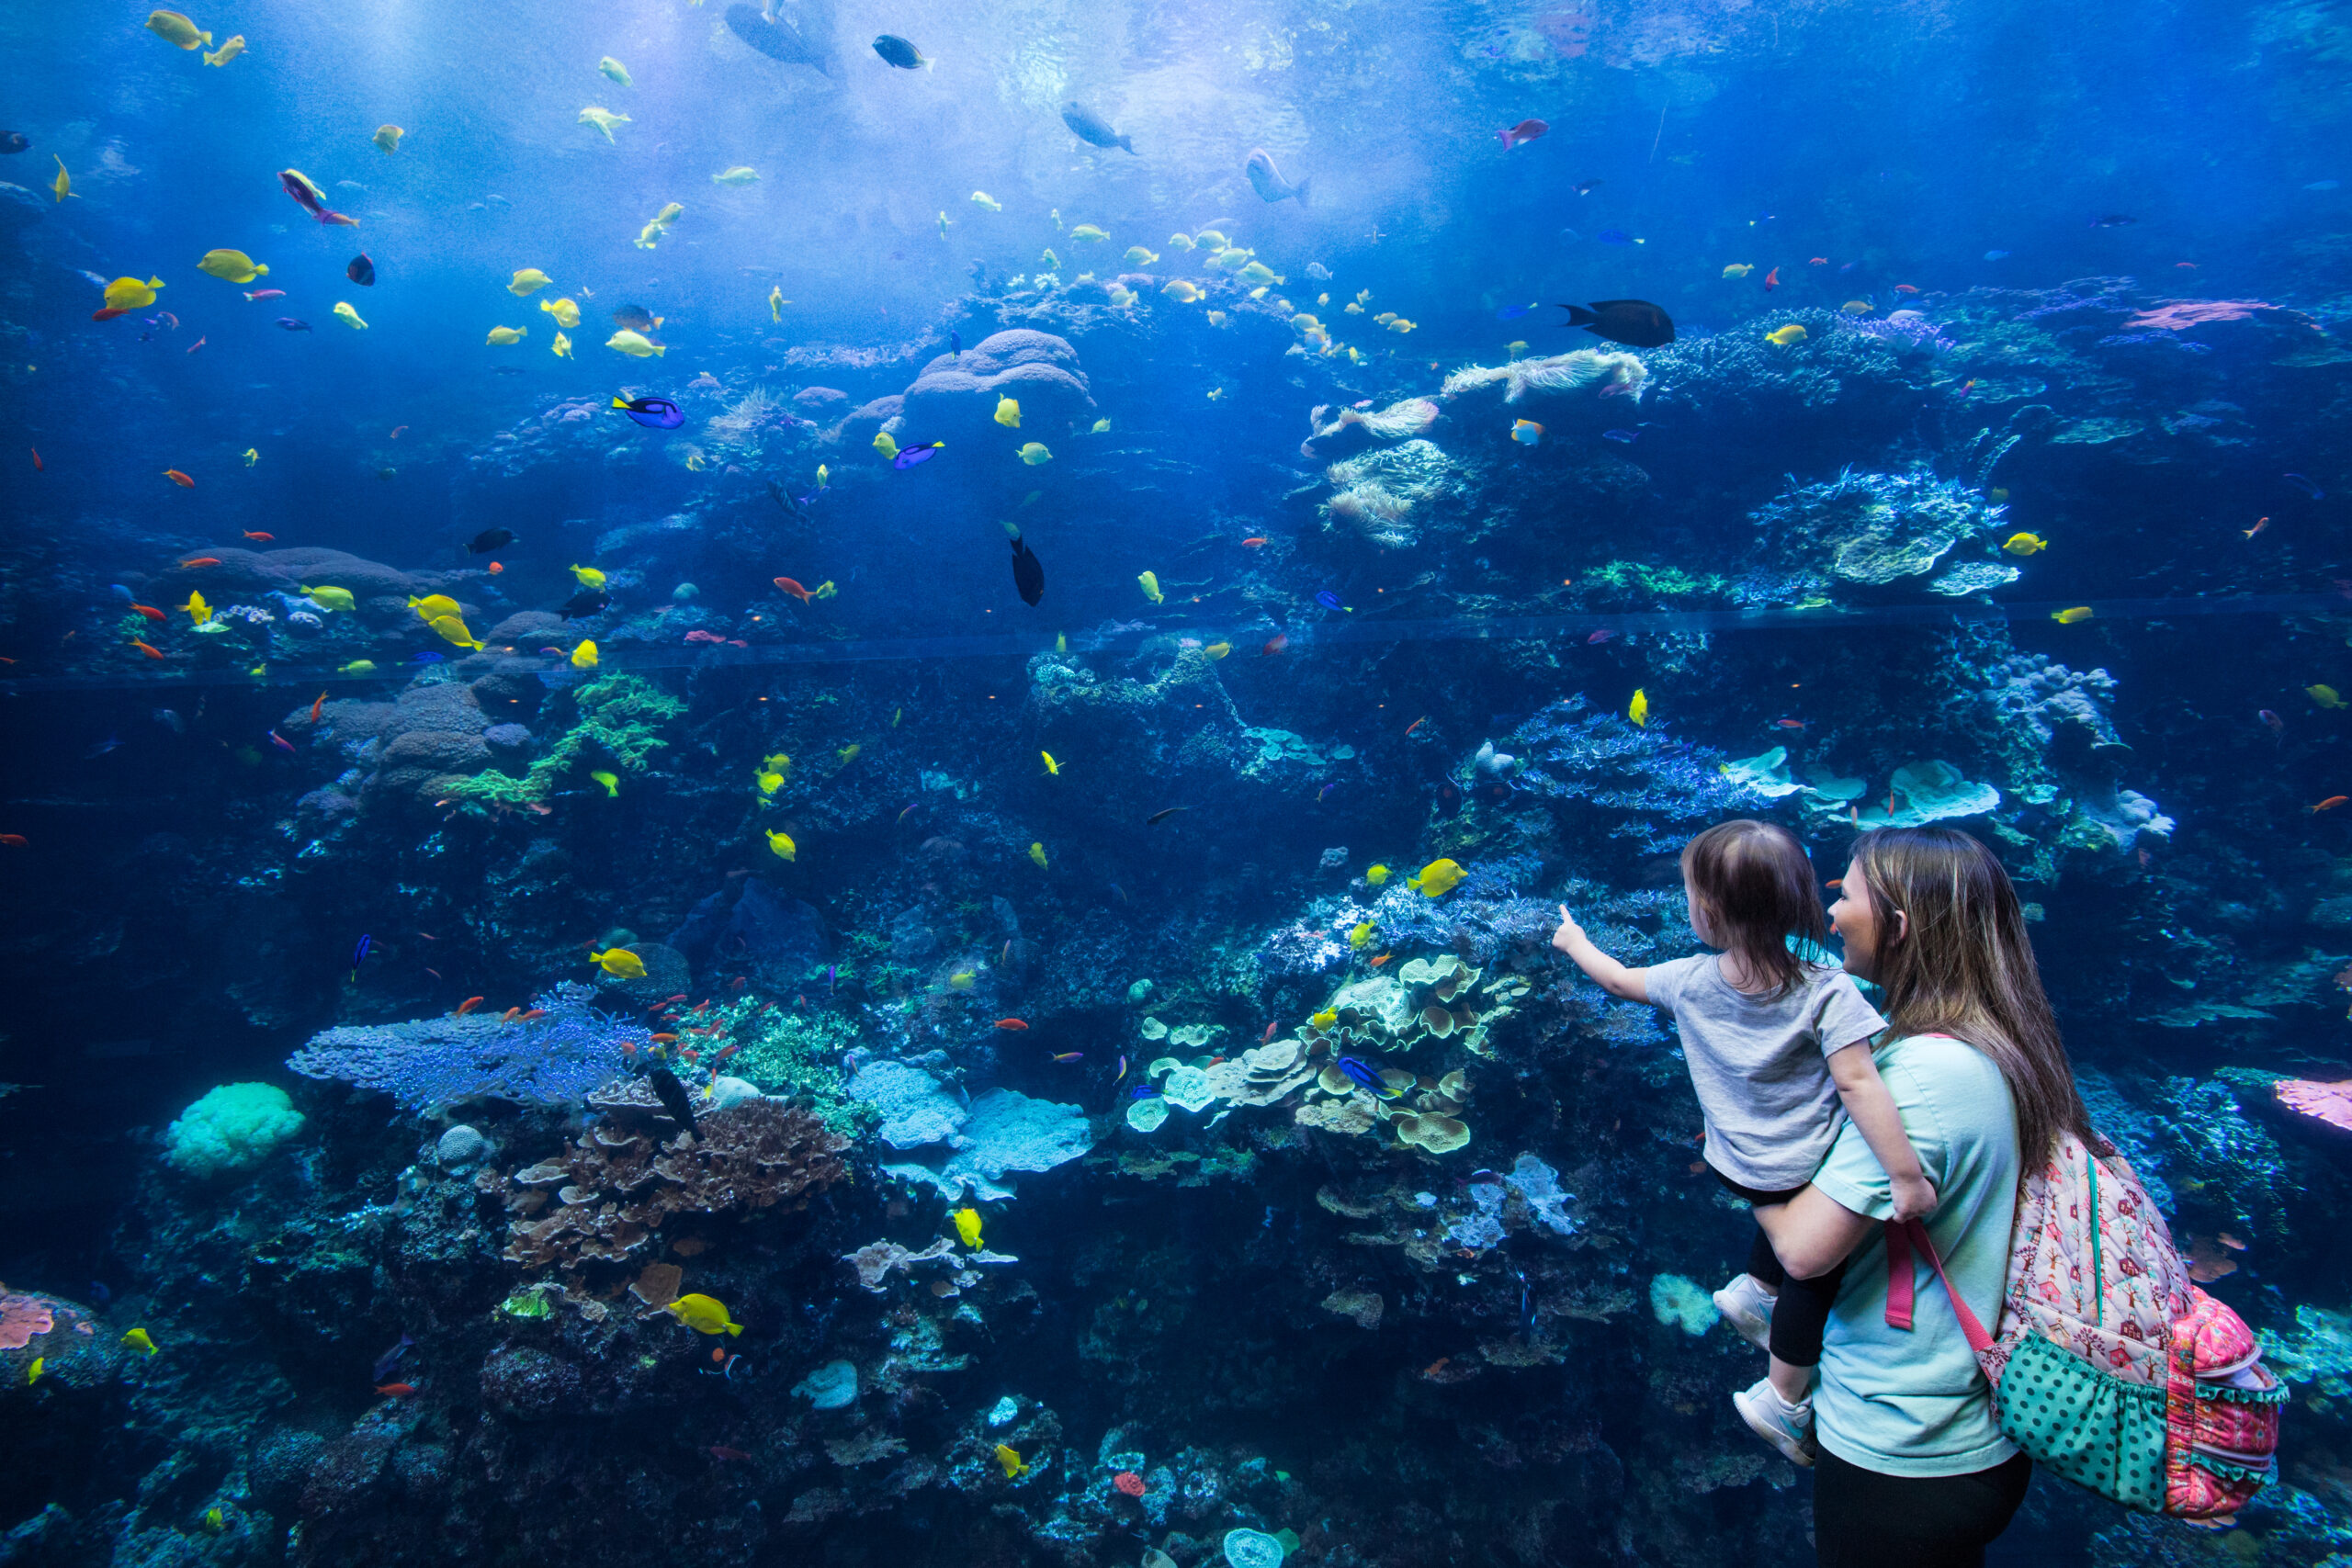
x,y
1812,1233
1604,970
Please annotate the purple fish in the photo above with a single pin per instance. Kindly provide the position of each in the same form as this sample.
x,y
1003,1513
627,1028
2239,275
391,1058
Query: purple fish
x,y
281,742
291,325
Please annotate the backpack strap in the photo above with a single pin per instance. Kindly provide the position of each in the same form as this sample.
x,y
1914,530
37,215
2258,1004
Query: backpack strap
x,y
1900,1269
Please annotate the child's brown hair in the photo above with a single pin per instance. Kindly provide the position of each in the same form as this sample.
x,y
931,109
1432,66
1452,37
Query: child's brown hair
x,y
1755,886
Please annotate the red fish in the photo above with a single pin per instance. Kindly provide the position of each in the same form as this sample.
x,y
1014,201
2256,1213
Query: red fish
x,y
14,841
1381,960
202,560
316,704
310,199
1415,725
267,294
2330,803
1904,289
1600,637
467,1006
2259,525
395,1390
1258,542
1274,645
534,1014
720,1451
264,538
1773,280
794,589
150,652
1011,1023
1269,1035
179,478
39,466
1790,722
149,611
1525,130
1835,883
665,1039
108,313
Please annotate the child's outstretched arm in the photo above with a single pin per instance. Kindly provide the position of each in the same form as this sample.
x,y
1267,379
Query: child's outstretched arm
x,y
1614,978
1872,1108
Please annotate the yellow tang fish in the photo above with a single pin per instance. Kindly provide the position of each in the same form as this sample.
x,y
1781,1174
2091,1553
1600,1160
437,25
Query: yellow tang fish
x,y
775,303
1786,335
1855,307
615,71
2324,696
329,598
962,979
32,1372
388,138
603,119
1638,710
1216,317
1182,292
1259,272
451,629
563,346
1217,650
769,782
227,52
1088,233
619,961
1007,413
1739,269
1100,425
2025,544
566,313
433,606
176,30
1400,325
703,1314
1376,874
740,174
129,294
1362,935
1051,766
529,280
1150,581
198,612
1037,854
500,337
983,199
1180,242
1324,1019
781,843
588,576
253,456
2068,617
1138,256
610,780
1034,453
637,346
1048,259
1437,879
1008,1458
143,1340
967,1225
884,445
231,266
585,656
64,183
348,317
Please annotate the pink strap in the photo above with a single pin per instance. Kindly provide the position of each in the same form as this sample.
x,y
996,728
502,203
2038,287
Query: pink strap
x,y
1900,1239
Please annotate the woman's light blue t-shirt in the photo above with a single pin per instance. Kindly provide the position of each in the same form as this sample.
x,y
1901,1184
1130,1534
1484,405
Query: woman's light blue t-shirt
x,y
1913,1403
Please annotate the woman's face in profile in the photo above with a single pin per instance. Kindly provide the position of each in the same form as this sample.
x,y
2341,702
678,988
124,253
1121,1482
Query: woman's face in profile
x,y
1856,925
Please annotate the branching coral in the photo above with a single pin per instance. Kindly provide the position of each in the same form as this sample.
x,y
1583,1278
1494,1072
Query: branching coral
x,y
552,1060
615,724
612,1188
744,416
1380,491
1613,371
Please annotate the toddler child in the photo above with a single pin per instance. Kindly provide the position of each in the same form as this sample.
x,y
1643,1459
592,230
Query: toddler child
x,y
1775,1041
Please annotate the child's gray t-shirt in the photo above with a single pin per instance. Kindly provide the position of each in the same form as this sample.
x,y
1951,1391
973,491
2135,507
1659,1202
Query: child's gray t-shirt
x,y
1760,1065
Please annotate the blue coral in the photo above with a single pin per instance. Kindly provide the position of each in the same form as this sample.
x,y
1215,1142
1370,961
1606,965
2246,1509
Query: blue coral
x,y
552,1060
1650,789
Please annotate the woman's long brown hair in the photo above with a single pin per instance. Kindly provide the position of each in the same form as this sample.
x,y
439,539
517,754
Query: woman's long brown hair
x,y
1963,966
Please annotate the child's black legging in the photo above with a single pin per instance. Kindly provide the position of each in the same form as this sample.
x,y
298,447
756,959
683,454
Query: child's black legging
x,y
1803,1311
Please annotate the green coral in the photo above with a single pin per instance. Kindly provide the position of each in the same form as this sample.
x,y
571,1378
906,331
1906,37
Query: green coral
x,y
787,1053
1660,582
617,715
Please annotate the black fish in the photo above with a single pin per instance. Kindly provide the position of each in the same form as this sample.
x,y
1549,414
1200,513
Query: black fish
x,y
898,51
361,270
491,539
1268,181
1028,575
1162,815
1090,127
774,39
1636,323
673,1096
775,493
293,325
389,1360
14,141
636,318
2112,220
587,602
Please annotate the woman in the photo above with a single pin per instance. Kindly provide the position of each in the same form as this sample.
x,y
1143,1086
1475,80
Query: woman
x,y
1912,1468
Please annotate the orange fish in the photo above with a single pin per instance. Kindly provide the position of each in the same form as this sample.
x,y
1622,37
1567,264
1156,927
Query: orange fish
x,y
794,589
1268,1037
149,611
534,1014
495,569
316,704
1415,725
1437,1366
628,1047
665,1039
2259,525
179,478
1275,644
1772,279
1790,722
467,1006
1381,960
689,1053
264,538
1904,289
14,841
1011,1023
2330,803
1834,884
1257,544
150,652
395,1390
39,466
202,560
197,343
508,1016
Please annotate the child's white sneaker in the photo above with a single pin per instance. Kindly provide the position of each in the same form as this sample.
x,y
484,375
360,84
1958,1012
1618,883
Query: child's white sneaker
x,y
1788,1427
1746,1306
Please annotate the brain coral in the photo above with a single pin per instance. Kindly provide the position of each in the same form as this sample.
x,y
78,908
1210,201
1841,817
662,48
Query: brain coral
x,y
957,396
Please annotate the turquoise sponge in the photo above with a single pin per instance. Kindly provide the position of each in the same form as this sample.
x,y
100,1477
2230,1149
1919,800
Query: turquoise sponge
x,y
233,1127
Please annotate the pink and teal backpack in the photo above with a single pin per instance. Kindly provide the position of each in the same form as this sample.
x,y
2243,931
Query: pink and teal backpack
x,y
2111,1367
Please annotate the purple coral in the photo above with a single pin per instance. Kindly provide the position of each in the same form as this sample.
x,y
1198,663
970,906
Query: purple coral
x,y
552,1060
21,1317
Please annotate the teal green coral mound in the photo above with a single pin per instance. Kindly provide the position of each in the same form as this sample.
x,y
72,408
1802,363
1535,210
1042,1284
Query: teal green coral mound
x,y
232,1127
788,1054
1682,1303
615,724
